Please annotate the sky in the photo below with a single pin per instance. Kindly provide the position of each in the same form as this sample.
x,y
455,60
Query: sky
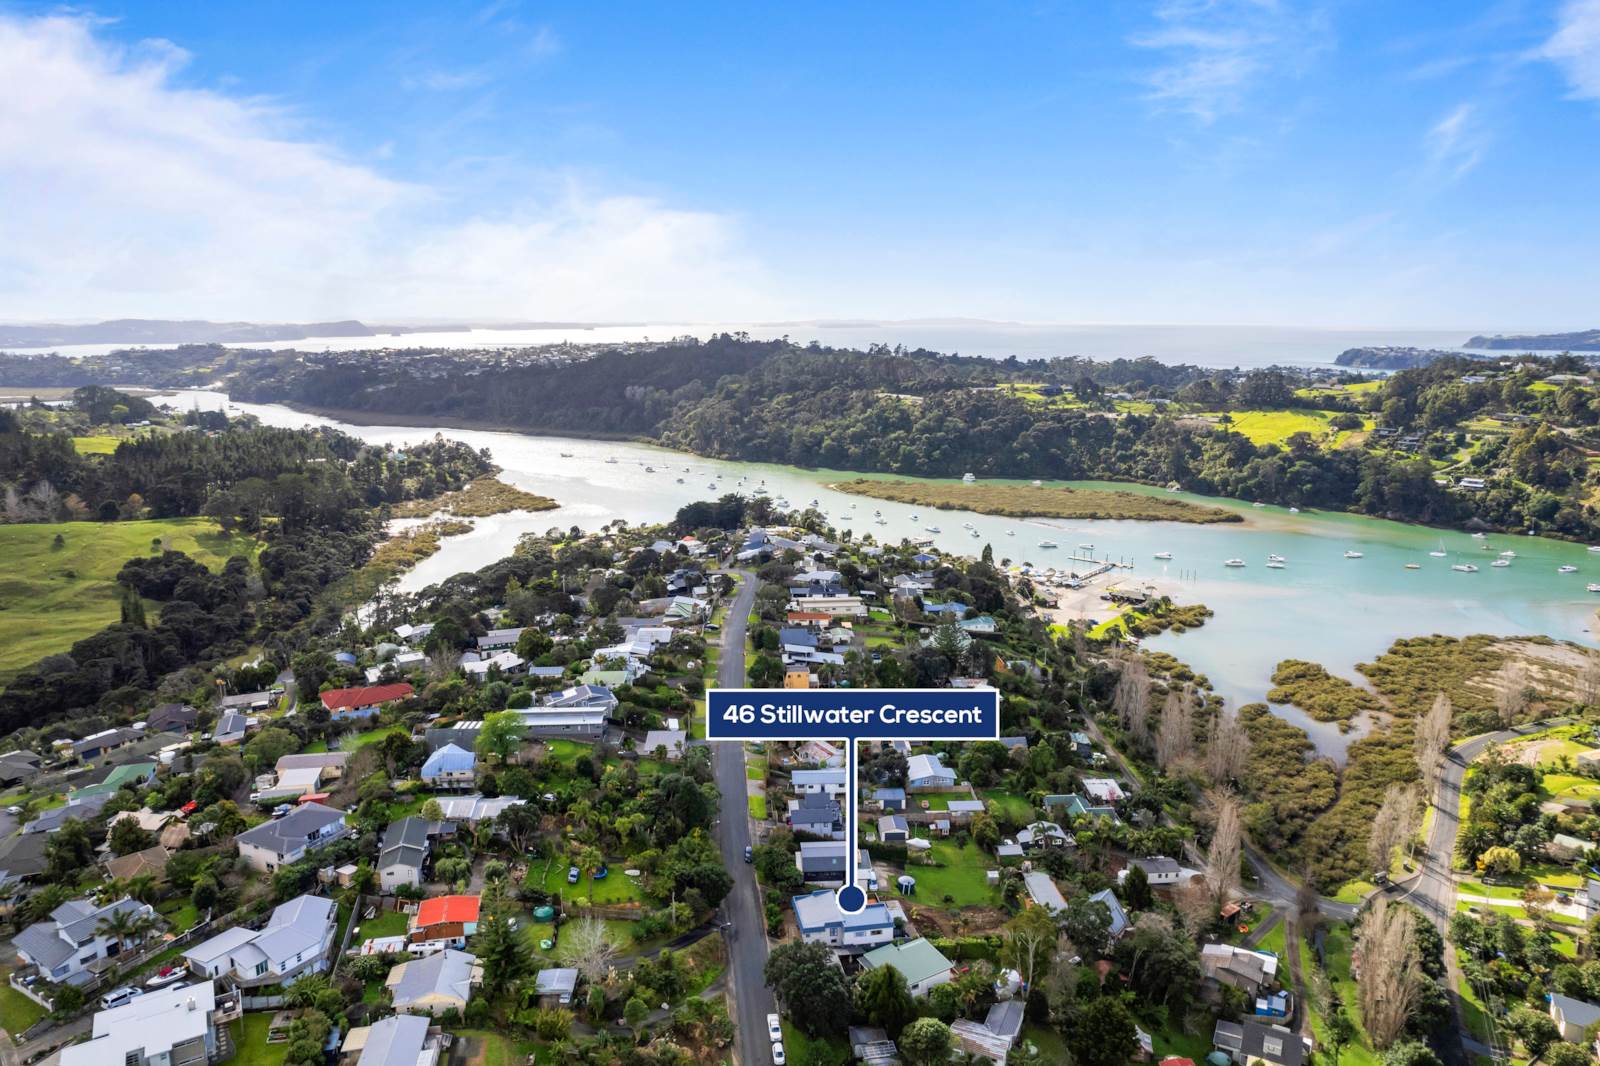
x,y
1273,162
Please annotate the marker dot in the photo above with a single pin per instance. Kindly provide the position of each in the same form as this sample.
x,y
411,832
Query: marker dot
x,y
852,900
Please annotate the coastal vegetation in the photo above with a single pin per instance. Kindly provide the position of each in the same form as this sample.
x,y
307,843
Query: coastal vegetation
x,y
479,498
1321,695
1023,500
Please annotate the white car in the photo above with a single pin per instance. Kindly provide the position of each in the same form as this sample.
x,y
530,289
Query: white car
x,y
774,1028
777,1054
118,997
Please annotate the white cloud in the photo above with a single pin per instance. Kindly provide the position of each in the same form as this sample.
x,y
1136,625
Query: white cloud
x,y
1456,143
1575,47
128,194
1217,51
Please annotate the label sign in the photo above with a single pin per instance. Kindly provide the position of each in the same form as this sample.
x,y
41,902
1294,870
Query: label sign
x,y
852,714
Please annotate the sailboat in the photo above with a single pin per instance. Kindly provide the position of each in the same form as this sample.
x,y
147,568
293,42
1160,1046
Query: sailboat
x,y
1352,554
1163,555
1566,569
1439,552
1501,562
1275,558
1276,564
1465,568
1234,563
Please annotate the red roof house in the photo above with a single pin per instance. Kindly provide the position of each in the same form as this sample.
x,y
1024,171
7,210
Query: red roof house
x,y
441,909
368,697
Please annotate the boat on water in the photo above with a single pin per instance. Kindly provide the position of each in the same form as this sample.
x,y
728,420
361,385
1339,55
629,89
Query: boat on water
x,y
875,514
1465,568
1086,547
1479,536
814,501
1508,555
933,529
1413,566
649,470
1594,547
1566,569
1352,554
1274,557
966,525
974,532
1276,564
881,521
680,481
968,478
1501,562
1593,586
1047,544
1439,552
1163,555
914,518
1258,503
1011,532
1234,563
1037,483
612,460
566,455
712,486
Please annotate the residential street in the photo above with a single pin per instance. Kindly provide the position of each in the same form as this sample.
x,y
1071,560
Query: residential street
x,y
742,910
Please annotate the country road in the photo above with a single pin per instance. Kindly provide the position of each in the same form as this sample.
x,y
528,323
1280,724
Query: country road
x,y
742,910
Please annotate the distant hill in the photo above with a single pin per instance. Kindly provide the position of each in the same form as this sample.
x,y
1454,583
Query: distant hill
x,y
1379,358
165,331
1583,341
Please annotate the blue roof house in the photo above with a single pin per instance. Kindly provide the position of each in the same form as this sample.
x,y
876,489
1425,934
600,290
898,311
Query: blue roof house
x,y
450,767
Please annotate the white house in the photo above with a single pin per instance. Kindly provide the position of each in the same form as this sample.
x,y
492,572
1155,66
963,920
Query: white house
x,y
295,941
1158,870
275,844
1573,1016
173,1027
926,772
822,922
70,941
1103,789
809,782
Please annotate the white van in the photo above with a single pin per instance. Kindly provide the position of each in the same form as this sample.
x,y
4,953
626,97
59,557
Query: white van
x,y
119,996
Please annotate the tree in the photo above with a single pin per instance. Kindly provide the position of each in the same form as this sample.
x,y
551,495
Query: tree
x,y
1131,699
1500,861
1511,692
1102,1034
811,986
432,810
1221,874
587,946
268,746
69,851
121,925
1087,923
1433,738
1175,731
884,999
1136,889
766,671
531,644
1030,937
1391,969
500,735
1392,826
1414,1053
1341,1031
1229,750
1562,1053
504,952
925,1042
1536,1029
634,1012
126,837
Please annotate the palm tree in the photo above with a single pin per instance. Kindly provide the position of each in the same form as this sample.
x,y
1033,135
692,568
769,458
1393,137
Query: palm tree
x,y
120,925
142,887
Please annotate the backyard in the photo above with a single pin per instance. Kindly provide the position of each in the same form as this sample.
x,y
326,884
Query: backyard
x,y
958,875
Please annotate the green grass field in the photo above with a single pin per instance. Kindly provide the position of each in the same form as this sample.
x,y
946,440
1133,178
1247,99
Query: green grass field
x,y
960,876
96,445
802,1050
1360,1052
387,923
1275,427
758,807
51,597
250,1041
1012,805
615,887
17,1011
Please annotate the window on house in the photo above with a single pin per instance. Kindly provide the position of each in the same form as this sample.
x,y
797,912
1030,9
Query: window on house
x,y
261,968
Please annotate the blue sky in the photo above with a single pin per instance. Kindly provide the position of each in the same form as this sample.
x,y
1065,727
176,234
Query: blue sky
x,y
1329,164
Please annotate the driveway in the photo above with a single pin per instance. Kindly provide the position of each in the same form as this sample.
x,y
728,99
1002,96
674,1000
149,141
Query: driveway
x,y
742,911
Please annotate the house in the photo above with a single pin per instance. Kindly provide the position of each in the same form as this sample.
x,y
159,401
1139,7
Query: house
x,y
331,763
672,740
836,606
17,767
130,775
81,808
1119,917
1573,1016
822,862
294,942
23,857
173,1027
404,852
830,782
1565,846
506,662
1103,790
890,799
918,961
1247,1043
1251,972
434,983
546,721
248,701
448,910
586,696
399,1040
1158,870
231,728
151,861
962,811
1588,898
818,815
1075,807
288,784
799,677
1043,891
363,702
66,946
926,772
556,986
1041,835
499,640
1082,746
450,767
820,921
171,718
95,745
275,844
892,829
992,1038
471,810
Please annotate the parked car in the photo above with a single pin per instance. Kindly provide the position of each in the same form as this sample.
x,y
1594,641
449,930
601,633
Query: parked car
x,y
774,1028
572,875
118,996
749,853
778,1058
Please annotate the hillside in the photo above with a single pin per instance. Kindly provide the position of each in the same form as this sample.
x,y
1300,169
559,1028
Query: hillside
x,y
1587,340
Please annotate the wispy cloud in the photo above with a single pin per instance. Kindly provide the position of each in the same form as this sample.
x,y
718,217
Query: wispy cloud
x,y
1456,143
1575,47
1218,51
446,80
128,194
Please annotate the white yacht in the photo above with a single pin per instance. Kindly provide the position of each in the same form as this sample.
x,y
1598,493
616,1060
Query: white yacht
x,y
613,459
933,529
1501,562
974,532
1594,547
914,517
566,455
1413,566
1276,564
1593,586
1234,563
1011,532
1047,544
712,486
1273,557
1086,547
1508,555
1566,569
1478,536
680,481
1163,555
881,521
1352,554
1294,510
1465,568
968,478
1439,552
966,525
1258,503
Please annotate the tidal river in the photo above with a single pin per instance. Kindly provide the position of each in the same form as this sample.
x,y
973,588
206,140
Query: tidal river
x,y
1320,606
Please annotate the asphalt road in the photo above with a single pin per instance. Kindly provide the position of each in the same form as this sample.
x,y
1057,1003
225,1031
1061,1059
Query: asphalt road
x,y
742,910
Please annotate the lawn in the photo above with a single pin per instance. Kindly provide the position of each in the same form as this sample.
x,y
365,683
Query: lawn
x,y
387,923
802,1050
496,1049
357,741
17,1011
1338,953
615,887
1040,1043
758,807
1354,891
959,875
1010,805
1274,941
180,914
1275,427
250,1041
939,801
100,444
51,597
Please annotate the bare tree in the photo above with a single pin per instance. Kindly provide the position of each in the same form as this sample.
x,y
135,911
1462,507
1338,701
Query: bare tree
x,y
587,946
1131,700
1030,941
1175,731
1392,826
1222,857
1511,692
1589,681
1391,970
1433,738
1229,750
1194,903
443,662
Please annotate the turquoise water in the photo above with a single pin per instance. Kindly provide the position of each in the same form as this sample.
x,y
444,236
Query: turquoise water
x,y
1321,607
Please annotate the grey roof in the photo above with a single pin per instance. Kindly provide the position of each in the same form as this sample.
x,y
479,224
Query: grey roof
x,y
557,981
1159,864
283,835
230,723
821,857
1576,1011
815,814
405,843
248,699
83,810
167,715
74,923
395,1041
23,856
313,760
1249,1039
106,738
1005,1019
447,973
